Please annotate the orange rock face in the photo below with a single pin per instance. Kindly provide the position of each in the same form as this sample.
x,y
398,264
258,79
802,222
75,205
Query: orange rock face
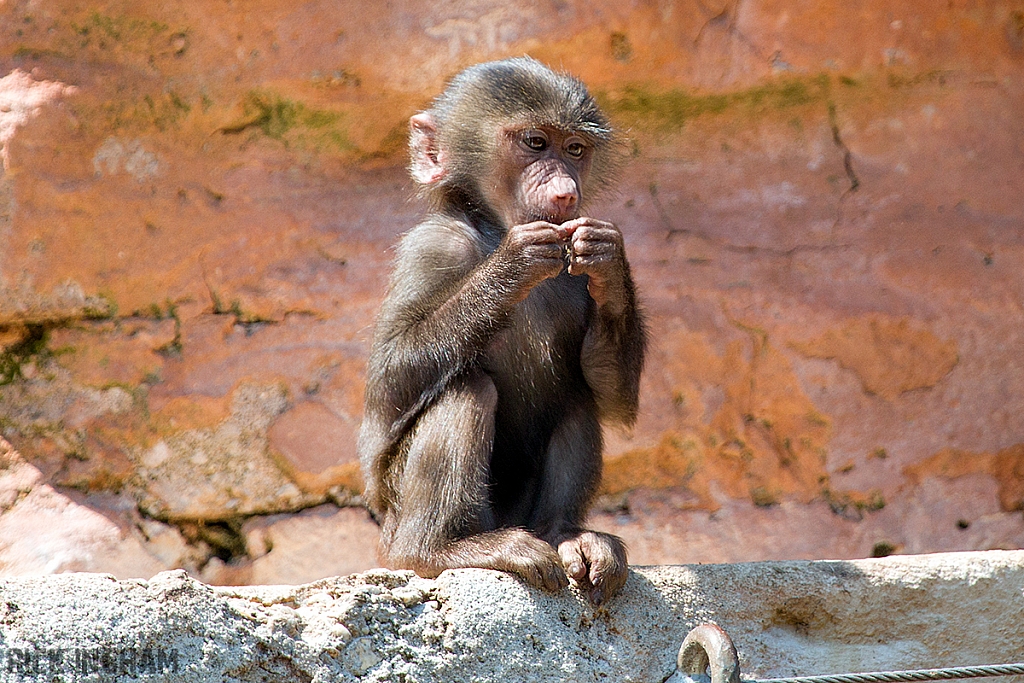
x,y
822,208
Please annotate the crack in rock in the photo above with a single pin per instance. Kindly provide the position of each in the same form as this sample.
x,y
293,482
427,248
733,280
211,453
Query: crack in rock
x,y
847,155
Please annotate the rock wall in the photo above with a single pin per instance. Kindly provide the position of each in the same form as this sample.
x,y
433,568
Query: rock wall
x,y
786,619
823,209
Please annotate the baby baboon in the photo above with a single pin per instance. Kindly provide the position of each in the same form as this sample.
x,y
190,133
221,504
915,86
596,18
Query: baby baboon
x,y
510,331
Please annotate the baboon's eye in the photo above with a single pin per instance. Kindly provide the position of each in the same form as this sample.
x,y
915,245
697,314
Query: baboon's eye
x,y
575,148
535,140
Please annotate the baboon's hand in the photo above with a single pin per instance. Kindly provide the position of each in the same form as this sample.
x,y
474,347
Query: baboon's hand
x,y
596,249
536,251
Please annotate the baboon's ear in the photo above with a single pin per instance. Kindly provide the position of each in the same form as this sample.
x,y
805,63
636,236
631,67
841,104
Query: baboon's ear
x,y
428,160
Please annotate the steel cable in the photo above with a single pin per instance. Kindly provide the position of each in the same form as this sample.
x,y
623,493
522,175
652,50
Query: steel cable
x,y
899,676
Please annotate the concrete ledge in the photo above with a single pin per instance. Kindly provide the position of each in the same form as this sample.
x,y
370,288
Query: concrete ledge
x,y
786,618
